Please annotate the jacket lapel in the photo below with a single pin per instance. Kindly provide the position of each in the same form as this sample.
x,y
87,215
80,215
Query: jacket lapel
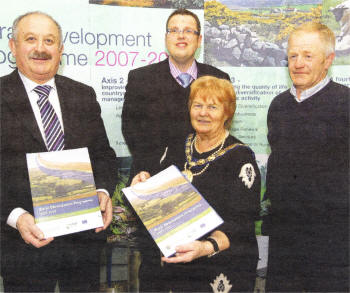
x,y
66,99
18,102
165,78
202,69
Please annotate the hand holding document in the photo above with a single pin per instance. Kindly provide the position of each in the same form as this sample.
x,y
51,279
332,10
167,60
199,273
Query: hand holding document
x,y
63,192
172,209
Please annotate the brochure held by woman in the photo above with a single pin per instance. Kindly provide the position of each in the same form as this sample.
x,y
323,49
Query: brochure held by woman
x,y
172,209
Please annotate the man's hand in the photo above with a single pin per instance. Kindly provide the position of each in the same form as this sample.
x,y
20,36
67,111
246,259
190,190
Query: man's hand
x,y
30,232
106,210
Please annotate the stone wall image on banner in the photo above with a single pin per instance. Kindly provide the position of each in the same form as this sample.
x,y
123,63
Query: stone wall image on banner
x,y
253,33
189,4
336,14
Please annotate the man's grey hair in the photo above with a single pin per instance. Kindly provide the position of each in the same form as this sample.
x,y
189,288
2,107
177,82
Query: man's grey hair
x,y
19,18
325,33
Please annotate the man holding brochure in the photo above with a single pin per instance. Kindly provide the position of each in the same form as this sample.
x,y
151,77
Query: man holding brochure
x,y
29,262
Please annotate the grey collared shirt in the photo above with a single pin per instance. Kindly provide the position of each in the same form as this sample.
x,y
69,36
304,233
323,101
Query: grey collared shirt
x,y
311,91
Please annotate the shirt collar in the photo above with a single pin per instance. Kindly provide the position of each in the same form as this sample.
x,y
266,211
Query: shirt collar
x,y
311,91
192,70
30,85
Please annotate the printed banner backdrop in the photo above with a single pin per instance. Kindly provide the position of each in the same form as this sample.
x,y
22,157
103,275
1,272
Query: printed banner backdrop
x,y
105,39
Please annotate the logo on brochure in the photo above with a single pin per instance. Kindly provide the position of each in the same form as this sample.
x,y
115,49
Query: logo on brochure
x,y
71,225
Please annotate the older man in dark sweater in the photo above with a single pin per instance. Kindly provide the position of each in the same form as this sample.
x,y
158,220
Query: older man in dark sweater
x,y
308,171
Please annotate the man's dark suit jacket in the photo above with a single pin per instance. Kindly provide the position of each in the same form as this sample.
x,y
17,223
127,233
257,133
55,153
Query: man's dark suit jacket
x,y
20,134
155,113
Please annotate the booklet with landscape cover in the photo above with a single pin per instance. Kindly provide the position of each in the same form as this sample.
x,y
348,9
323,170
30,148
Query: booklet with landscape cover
x,y
63,192
172,209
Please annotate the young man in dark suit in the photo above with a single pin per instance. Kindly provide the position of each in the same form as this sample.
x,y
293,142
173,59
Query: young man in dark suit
x,y
155,113
29,262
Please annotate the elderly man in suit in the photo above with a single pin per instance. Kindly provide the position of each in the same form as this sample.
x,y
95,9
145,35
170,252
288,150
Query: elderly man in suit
x,y
29,262
155,113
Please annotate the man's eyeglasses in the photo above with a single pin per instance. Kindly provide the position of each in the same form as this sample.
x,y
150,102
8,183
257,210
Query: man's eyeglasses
x,y
188,32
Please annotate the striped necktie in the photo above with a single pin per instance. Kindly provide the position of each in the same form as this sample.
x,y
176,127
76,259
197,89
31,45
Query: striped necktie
x,y
52,126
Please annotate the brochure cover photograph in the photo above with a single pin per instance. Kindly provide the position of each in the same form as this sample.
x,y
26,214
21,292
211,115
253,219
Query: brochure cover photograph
x,y
171,209
63,192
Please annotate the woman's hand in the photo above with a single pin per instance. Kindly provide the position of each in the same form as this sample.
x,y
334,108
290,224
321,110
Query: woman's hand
x,y
189,251
140,177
